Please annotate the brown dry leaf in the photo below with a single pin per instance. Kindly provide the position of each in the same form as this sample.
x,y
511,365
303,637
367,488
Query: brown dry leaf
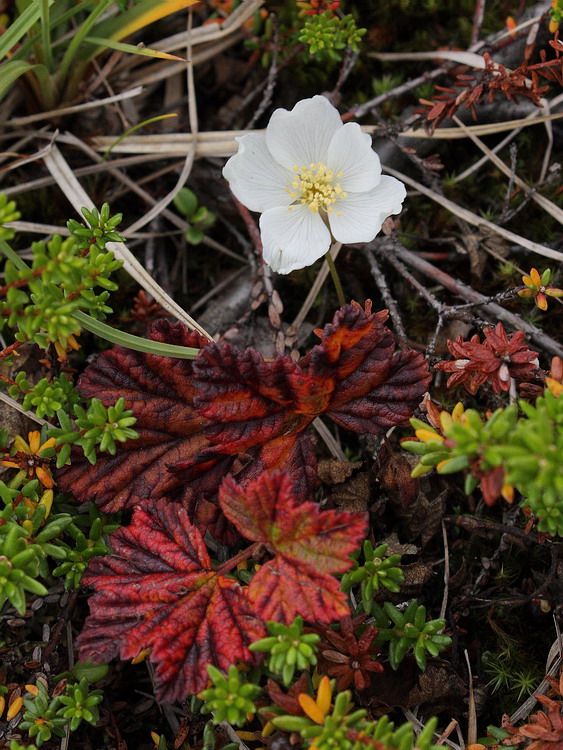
x,y
395,477
424,517
354,494
332,471
395,547
416,576
438,689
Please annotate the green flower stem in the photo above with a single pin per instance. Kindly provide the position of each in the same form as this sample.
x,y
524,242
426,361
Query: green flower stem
x,y
335,278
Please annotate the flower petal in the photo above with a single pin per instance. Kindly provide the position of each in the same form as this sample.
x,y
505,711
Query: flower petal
x,y
302,136
362,214
256,179
350,153
293,237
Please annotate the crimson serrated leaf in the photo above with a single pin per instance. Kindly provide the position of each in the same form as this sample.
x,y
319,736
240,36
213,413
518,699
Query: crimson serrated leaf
x,y
353,376
159,391
158,590
254,413
309,545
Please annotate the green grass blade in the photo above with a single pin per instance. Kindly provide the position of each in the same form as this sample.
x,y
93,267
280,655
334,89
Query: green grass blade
x,y
20,26
135,128
140,15
133,49
46,35
130,341
81,34
13,256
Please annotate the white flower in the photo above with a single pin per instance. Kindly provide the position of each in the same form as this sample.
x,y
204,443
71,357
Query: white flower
x,y
313,179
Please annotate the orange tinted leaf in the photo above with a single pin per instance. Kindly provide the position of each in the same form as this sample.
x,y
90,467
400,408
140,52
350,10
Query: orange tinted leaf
x,y
309,545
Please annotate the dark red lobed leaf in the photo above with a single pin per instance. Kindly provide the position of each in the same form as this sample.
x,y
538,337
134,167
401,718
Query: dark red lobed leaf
x,y
309,545
352,375
246,400
159,391
158,590
390,402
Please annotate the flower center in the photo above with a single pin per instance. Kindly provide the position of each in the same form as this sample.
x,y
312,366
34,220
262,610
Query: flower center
x,y
315,186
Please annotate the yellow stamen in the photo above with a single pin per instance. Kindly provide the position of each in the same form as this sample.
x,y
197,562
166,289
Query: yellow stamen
x,y
314,186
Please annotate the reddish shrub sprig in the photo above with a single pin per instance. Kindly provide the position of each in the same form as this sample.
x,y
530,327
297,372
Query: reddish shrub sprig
x,y
496,360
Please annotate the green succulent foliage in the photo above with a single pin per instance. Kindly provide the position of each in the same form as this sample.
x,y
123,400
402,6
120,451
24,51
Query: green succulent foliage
x,y
287,649
469,440
85,547
532,459
346,729
81,704
46,397
98,427
100,228
199,217
41,719
8,212
230,698
378,569
19,567
326,34
15,745
528,447
409,630
70,539
556,13
46,717
60,282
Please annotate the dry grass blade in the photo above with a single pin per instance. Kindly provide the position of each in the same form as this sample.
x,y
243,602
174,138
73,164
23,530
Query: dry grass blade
x,y
474,219
532,116
77,196
18,407
545,203
465,58
16,122
222,143
187,168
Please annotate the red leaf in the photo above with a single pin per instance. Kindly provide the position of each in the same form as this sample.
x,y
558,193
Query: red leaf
x,y
309,545
352,375
254,413
159,390
159,590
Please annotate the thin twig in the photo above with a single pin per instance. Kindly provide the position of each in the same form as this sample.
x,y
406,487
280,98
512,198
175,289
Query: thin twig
x,y
388,299
474,219
444,606
494,310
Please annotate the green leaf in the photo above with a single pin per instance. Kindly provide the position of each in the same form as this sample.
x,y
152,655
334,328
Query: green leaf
x,y
185,201
19,27
130,341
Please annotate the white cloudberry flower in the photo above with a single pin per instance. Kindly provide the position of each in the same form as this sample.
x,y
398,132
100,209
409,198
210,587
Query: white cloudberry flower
x,y
314,180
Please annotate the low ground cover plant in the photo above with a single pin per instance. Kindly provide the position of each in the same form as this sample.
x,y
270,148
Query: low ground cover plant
x,y
333,533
